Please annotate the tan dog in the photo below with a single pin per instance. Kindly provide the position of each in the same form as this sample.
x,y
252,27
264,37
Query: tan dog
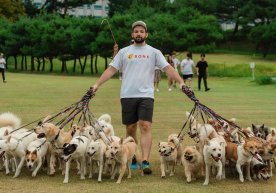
x,y
123,152
272,136
242,155
168,157
193,162
178,144
57,138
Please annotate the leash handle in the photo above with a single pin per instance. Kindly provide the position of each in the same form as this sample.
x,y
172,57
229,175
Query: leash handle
x,y
190,93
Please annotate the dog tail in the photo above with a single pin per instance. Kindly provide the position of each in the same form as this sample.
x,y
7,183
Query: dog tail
x,y
9,119
106,117
129,139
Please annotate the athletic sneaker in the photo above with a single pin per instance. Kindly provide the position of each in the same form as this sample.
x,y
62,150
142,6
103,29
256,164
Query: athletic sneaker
x,y
134,164
146,167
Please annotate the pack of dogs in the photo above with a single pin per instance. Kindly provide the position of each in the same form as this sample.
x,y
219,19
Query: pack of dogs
x,y
95,149
92,148
219,147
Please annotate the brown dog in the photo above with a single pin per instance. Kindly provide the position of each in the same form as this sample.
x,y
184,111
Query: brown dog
x,y
242,155
123,152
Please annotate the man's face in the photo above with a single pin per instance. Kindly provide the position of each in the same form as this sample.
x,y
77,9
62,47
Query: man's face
x,y
139,34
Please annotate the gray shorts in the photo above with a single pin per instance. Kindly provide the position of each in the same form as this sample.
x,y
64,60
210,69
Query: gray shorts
x,y
135,109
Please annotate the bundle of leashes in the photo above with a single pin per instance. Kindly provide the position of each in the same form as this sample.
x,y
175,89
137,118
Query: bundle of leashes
x,y
205,113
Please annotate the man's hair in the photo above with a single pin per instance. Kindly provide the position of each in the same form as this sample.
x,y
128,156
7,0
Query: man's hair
x,y
202,55
189,54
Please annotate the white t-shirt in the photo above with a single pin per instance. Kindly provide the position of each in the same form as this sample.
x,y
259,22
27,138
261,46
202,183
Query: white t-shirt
x,y
2,63
176,63
187,66
137,63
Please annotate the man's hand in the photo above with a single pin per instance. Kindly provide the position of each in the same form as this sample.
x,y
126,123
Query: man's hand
x,y
94,88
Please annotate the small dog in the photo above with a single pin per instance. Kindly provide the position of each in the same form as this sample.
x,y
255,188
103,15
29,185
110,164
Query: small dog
x,y
192,161
242,155
272,136
16,146
214,156
168,157
96,151
123,153
259,170
178,144
75,150
202,132
36,153
260,131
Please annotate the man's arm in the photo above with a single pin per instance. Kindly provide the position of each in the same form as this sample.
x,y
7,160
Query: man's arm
x,y
108,73
171,72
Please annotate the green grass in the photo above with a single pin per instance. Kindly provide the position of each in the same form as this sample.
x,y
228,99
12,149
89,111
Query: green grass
x,y
31,96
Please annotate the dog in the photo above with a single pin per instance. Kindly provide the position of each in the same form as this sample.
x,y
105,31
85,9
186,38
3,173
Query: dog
x,y
35,154
214,156
192,161
178,144
96,151
202,132
272,136
168,157
123,152
259,169
260,131
57,138
75,150
242,155
15,145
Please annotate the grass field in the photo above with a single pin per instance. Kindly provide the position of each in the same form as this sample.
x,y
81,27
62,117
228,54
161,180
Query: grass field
x,y
33,96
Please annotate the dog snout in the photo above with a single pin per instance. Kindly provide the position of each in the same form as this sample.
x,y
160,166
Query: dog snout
x,y
219,155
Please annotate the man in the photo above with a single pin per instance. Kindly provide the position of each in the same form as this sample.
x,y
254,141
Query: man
x,y
2,66
202,71
137,63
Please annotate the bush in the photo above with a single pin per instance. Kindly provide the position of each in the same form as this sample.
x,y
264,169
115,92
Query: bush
x,y
263,80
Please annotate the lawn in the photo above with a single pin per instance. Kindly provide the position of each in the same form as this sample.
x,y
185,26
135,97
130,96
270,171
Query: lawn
x,y
31,96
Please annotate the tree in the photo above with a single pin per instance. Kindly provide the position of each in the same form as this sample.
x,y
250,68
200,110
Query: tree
x,y
264,36
30,9
55,6
11,9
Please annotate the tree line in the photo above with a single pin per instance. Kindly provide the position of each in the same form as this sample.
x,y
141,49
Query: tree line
x,y
46,34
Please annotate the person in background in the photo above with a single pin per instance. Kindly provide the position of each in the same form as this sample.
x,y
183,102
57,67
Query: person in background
x,y
2,67
137,63
176,65
202,72
187,69
157,78
170,79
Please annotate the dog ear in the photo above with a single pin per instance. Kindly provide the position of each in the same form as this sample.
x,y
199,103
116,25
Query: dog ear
x,y
273,133
121,141
254,127
159,144
172,149
6,133
27,152
8,139
35,152
262,126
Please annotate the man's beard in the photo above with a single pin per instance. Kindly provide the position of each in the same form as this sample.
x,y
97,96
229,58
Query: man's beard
x,y
139,40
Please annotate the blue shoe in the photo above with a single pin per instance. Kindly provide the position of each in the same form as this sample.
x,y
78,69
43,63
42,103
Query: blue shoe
x,y
134,165
146,167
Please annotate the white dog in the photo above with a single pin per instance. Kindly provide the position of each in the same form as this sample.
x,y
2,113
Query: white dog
x,y
96,151
75,150
214,156
202,132
36,153
16,145
8,122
